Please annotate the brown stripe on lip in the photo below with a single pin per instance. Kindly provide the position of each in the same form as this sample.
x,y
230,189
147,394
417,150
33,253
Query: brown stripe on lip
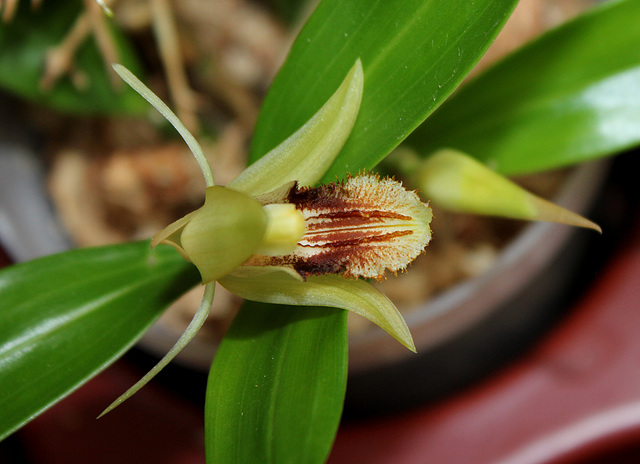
x,y
325,197
349,257
352,219
357,213
350,238
361,227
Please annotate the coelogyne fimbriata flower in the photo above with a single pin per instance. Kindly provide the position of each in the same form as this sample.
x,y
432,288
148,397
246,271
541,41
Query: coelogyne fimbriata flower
x,y
360,227
271,235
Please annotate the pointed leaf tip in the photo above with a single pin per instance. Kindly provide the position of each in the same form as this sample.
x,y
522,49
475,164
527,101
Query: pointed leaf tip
x,y
547,211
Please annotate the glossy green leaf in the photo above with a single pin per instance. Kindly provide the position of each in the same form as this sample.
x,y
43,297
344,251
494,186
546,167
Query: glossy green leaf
x,y
276,382
24,42
571,96
414,54
66,317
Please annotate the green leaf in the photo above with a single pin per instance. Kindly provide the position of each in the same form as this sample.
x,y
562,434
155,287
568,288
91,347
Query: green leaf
x,y
66,317
571,96
276,386
24,42
414,54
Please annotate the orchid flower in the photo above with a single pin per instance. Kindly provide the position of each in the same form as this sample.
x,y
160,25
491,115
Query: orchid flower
x,y
272,236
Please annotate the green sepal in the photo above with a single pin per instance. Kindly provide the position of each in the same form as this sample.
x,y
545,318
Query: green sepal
x,y
219,236
307,154
280,285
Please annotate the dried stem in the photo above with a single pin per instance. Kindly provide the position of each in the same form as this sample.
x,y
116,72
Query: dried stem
x,y
59,59
169,46
106,44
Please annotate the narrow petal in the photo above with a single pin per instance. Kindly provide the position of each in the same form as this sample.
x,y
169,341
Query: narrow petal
x,y
224,233
281,285
308,153
146,93
171,234
190,332
458,182
105,8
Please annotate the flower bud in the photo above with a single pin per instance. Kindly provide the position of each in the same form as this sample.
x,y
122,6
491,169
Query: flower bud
x,y
458,182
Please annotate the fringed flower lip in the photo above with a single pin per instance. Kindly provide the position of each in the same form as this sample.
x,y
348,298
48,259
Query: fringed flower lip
x,y
360,227
272,236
